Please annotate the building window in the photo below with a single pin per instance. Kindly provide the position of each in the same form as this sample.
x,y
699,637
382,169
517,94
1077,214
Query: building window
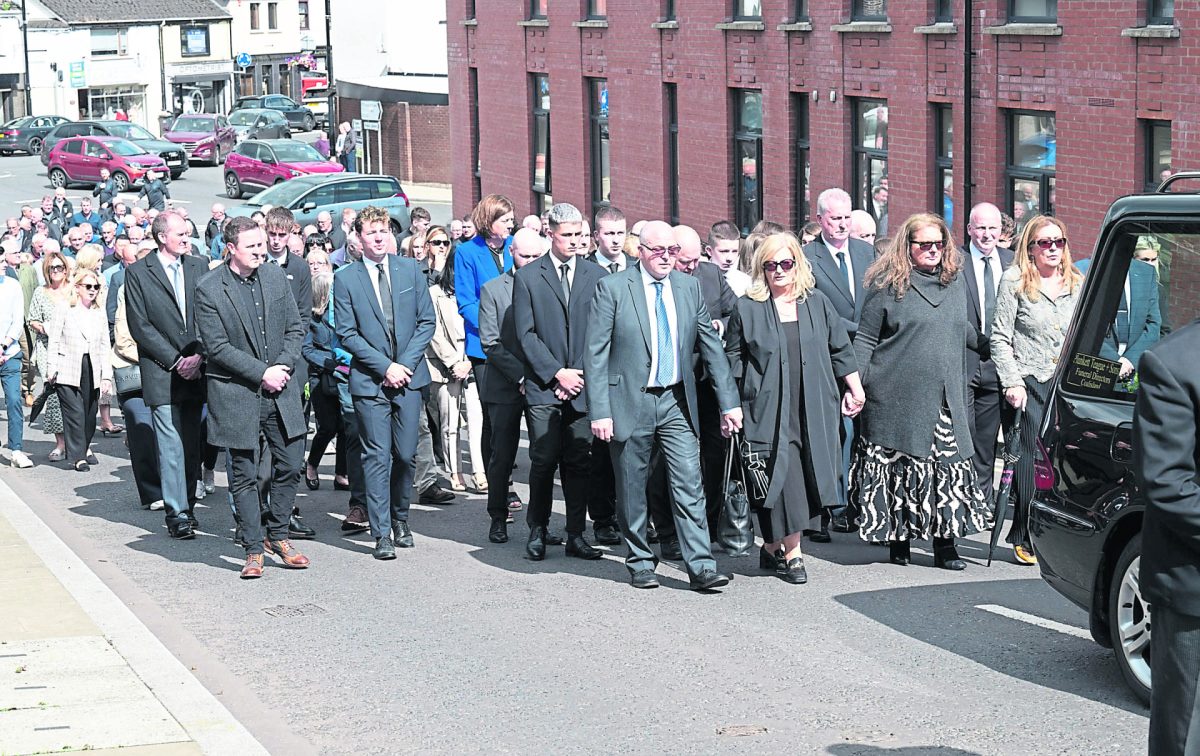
x,y
302,8
869,128
943,13
747,10
1160,12
255,19
801,10
747,157
601,161
1033,11
1032,150
477,172
272,15
800,156
537,8
943,161
541,143
671,106
597,9
107,102
868,10
668,10
194,41
1158,152
469,12
109,42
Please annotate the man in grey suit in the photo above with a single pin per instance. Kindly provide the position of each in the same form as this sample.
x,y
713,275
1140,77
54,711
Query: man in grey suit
x,y
385,320
502,394
646,323
252,335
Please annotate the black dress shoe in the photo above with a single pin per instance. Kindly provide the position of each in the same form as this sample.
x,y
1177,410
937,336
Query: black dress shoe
x,y
404,539
769,561
899,552
709,579
945,556
794,572
498,533
384,549
577,546
644,579
669,548
607,534
553,540
297,529
840,523
651,533
181,531
192,520
535,547
819,536
435,494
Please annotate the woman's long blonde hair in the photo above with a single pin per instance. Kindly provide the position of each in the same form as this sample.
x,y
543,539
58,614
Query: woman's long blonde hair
x,y
1031,280
322,285
803,281
82,274
894,267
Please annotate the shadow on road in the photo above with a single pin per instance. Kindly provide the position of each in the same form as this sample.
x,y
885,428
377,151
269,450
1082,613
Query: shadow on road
x,y
856,749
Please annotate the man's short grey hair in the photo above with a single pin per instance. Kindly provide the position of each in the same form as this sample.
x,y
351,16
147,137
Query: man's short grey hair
x,y
563,212
825,197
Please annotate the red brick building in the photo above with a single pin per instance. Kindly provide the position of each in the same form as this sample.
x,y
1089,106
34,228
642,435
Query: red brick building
x,y
743,108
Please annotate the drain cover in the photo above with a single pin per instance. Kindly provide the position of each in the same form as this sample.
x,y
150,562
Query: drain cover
x,y
302,610
741,730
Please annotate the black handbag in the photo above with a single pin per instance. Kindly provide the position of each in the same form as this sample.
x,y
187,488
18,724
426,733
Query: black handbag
x,y
734,531
754,470
328,383
127,380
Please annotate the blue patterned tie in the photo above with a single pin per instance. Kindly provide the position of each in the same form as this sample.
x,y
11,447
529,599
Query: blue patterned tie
x,y
666,351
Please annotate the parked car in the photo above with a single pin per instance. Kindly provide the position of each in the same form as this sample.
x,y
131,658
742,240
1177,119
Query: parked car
x,y
306,196
79,160
298,116
204,136
262,163
1086,516
257,123
26,134
173,154
317,100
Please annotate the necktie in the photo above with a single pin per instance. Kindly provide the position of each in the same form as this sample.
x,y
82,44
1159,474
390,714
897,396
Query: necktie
x,y
177,285
613,267
666,352
565,279
1122,323
841,256
385,299
989,295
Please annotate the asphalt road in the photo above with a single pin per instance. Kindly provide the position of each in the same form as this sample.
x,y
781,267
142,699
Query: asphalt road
x,y
461,646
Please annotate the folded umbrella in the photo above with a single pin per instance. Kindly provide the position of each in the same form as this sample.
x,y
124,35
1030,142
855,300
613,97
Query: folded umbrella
x,y
40,401
1012,453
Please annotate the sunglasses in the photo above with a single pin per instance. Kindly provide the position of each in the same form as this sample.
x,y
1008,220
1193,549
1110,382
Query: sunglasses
x,y
91,287
440,243
1044,244
57,268
929,245
785,265
671,251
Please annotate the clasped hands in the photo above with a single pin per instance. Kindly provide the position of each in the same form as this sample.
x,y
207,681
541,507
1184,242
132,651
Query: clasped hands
x,y
189,367
852,402
397,376
276,378
569,382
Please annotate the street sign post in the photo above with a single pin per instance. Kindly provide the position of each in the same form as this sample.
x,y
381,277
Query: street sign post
x,y
244,60
371,110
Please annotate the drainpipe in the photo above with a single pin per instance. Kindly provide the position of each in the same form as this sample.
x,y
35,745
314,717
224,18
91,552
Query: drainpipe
x,y
162,65
25,41
334,117
968,173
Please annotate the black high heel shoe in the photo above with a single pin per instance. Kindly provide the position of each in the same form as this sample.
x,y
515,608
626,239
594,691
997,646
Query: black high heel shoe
x,y
945,556
769,561
899,552
312,483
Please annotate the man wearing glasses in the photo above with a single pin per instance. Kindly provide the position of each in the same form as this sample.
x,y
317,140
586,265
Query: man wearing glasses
x,y
642,394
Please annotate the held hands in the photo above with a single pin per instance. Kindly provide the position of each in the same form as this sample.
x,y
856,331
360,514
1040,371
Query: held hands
x,y
462,370
570,382
852,402
603,429
189,367
1016,397
731,421
397,376
276,378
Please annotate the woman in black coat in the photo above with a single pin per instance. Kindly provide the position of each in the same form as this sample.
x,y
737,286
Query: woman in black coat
x,y
323,376
911,476
787,348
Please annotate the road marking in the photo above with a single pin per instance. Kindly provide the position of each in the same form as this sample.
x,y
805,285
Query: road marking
x,y
1033,619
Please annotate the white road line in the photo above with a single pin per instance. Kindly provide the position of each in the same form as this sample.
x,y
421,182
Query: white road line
x,y
1032,619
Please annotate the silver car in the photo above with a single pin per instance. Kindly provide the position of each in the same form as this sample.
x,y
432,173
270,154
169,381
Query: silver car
x,y
259,123
307,196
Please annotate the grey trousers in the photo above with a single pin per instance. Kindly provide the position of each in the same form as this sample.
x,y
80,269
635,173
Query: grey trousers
x,y
177,430
668,428
426,470
1175,657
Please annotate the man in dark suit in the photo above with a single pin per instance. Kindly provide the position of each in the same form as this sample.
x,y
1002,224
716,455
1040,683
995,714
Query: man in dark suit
x,y
552,300
160,296
1166,459
1138,324
983,263
646,323
384,319
252,336
838,264
502,394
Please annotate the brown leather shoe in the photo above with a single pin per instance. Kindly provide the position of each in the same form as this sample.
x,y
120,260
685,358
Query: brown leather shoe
x,y
253,568
285,551
356,520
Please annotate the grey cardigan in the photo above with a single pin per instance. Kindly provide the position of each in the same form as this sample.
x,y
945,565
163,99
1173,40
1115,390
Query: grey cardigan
x,y
1027,334
913,356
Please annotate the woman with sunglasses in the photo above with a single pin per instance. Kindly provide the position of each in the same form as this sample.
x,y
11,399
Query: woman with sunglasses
x,y
911,475
1034,305
78,362
437,251
91,257
788,349
46,300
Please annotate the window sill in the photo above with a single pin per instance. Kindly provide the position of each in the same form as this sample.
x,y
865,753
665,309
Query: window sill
x,y
665,25
942,27
469,22
591,23
863,27
1152,32
1025,30
742,26
795,26
535,22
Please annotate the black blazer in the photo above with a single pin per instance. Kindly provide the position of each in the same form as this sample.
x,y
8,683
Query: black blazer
x,y
832,283
552,334
236,363
162,334
981,370
1166,460
498,338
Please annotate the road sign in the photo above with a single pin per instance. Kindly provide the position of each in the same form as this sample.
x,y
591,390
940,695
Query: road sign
x,y
372,110
371,125
244,60
356,124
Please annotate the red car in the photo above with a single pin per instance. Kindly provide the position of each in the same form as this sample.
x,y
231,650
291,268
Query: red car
x,y
79,160
259,163
206,138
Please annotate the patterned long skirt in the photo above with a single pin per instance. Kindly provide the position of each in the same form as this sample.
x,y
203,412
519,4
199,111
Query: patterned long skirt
x,y
901,497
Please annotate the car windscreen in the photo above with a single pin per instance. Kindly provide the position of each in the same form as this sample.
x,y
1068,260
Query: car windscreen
x,y
243,117
194,123
280,195
13,122
297,152
129,131
125,149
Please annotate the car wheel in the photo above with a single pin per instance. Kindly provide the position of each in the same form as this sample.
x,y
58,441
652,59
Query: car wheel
x,y
277,181
6,153
310,123
233,187
58,178
1129,620
35,146
120,181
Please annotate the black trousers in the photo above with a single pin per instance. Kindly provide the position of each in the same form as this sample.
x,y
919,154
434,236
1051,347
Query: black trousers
x,y
79,407
712,468
328,411
1174,720
506,440
987,411
560,438
479,367
602,492
286,455
143,449
1023,481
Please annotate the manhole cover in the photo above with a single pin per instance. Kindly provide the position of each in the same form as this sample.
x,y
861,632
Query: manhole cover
x,y
302,610
741,730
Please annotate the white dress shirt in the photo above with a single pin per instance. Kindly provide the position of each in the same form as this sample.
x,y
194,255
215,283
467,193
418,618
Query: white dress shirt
x,y
373,272
602,260
570,261
977,259
833,252
668,296
167,261
12,315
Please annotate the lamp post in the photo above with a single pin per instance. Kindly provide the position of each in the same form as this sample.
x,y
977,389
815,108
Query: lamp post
x,y
332,119
25,46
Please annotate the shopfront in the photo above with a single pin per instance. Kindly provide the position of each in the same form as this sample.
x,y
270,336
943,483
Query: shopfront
x,y
205,87
125,102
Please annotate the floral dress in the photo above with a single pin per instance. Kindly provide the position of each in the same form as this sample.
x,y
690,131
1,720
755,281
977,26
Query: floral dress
x,y
41,310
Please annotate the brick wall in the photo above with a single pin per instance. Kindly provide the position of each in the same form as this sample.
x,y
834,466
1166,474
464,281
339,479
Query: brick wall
x,y
1097,83
416,140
